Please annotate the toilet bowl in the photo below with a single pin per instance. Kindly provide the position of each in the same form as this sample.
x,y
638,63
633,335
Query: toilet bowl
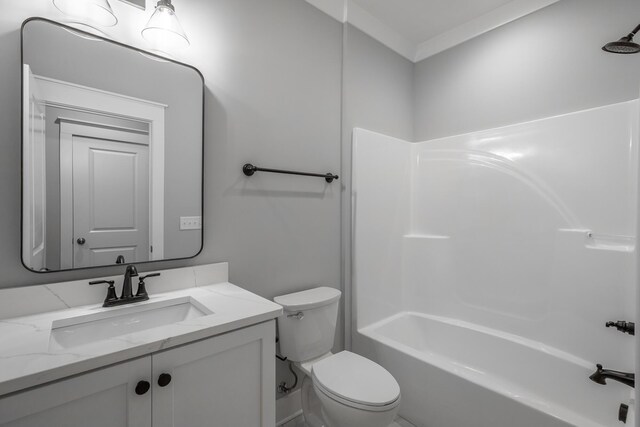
x,y
348,390
338,390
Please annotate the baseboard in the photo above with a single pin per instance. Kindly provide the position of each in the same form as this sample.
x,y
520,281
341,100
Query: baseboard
x,y
288,407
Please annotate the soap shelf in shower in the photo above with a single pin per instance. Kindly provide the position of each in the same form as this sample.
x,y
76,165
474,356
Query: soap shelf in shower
x,y
605,242
611,242
426,236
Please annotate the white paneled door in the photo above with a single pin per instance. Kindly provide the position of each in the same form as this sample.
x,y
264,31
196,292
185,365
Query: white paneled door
x,y
109,196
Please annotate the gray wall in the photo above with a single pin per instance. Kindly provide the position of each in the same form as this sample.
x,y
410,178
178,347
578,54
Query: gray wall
x,y
378,87
378,95
273,97
544,64
273,72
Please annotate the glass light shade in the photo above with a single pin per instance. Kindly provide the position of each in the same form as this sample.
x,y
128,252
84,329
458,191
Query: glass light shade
x,y
94,11
164,31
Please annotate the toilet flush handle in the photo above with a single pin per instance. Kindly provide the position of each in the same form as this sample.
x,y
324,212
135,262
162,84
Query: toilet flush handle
x,y
299,315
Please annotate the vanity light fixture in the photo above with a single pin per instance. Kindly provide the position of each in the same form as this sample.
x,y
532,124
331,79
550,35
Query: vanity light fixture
x,y
163,30
88,12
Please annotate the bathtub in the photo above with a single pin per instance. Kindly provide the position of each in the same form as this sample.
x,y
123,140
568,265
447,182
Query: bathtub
x,y
456,374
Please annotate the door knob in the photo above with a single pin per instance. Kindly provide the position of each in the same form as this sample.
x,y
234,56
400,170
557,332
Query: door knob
x,y
164,380
142,387
81,241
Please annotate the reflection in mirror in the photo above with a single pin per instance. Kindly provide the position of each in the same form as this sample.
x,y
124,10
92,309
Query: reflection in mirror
x,y
112,153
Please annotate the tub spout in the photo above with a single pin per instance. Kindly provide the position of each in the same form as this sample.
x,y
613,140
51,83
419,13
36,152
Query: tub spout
x,y
601,375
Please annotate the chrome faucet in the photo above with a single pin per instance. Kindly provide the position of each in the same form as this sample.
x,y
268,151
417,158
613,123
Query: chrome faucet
x,y
601,375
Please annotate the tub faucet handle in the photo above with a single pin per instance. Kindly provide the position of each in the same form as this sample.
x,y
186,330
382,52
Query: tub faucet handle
x,y
622,326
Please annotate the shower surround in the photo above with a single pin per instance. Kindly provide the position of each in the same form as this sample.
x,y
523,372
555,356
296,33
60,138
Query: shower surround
x,y
486,265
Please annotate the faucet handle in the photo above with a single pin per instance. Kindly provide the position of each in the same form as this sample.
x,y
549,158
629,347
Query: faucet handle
x,y
100,282
142,290
622,326
111,290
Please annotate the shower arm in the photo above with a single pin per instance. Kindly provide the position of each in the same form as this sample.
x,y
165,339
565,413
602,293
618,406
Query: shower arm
x,y
633,33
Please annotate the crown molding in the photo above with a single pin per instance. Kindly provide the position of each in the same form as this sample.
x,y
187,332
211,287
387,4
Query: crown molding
x,y
349,11
364,21
511,11
337,9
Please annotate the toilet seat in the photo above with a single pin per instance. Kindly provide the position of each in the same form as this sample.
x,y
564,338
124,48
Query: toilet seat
x,y
356,381
350,404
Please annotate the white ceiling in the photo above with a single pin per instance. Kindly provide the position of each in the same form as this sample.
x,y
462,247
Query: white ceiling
x,y
420,20
418,29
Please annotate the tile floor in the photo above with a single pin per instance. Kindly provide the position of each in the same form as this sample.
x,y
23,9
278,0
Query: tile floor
x,y
299,422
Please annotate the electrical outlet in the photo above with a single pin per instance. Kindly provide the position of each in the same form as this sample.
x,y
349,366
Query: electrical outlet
x,y
190,223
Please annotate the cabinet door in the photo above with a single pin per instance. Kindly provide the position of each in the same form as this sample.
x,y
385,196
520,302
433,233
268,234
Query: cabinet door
x,y
224,381
103,398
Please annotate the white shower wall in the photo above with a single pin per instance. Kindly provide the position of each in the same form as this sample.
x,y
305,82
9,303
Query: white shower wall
x,y
381,174
527,229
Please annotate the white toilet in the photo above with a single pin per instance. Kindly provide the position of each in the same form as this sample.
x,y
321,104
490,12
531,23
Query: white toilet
x,y
339,390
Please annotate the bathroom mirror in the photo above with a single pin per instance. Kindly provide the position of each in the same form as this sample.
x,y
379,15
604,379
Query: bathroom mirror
x,y
112,152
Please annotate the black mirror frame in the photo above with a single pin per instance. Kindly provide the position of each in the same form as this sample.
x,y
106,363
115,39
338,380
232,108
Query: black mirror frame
x,y
150,54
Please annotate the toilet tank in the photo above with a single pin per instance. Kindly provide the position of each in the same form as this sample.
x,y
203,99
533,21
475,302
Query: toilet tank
x,y
308,324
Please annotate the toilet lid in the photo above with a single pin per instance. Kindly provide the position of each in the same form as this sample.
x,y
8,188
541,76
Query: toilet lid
x,y
356,379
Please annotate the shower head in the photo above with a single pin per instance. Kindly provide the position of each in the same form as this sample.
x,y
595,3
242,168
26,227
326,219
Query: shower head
x,y
625,45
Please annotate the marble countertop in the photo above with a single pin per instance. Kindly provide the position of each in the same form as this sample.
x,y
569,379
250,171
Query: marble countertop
x,y
29,356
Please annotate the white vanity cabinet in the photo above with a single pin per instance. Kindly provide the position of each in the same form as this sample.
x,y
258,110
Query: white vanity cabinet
x,y
227,381
224,381
102,398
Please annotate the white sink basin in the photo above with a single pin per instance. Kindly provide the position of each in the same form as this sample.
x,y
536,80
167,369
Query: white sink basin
x,y
114,322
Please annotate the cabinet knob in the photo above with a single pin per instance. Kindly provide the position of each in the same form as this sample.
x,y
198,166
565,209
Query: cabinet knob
x,y
164,380
142,387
